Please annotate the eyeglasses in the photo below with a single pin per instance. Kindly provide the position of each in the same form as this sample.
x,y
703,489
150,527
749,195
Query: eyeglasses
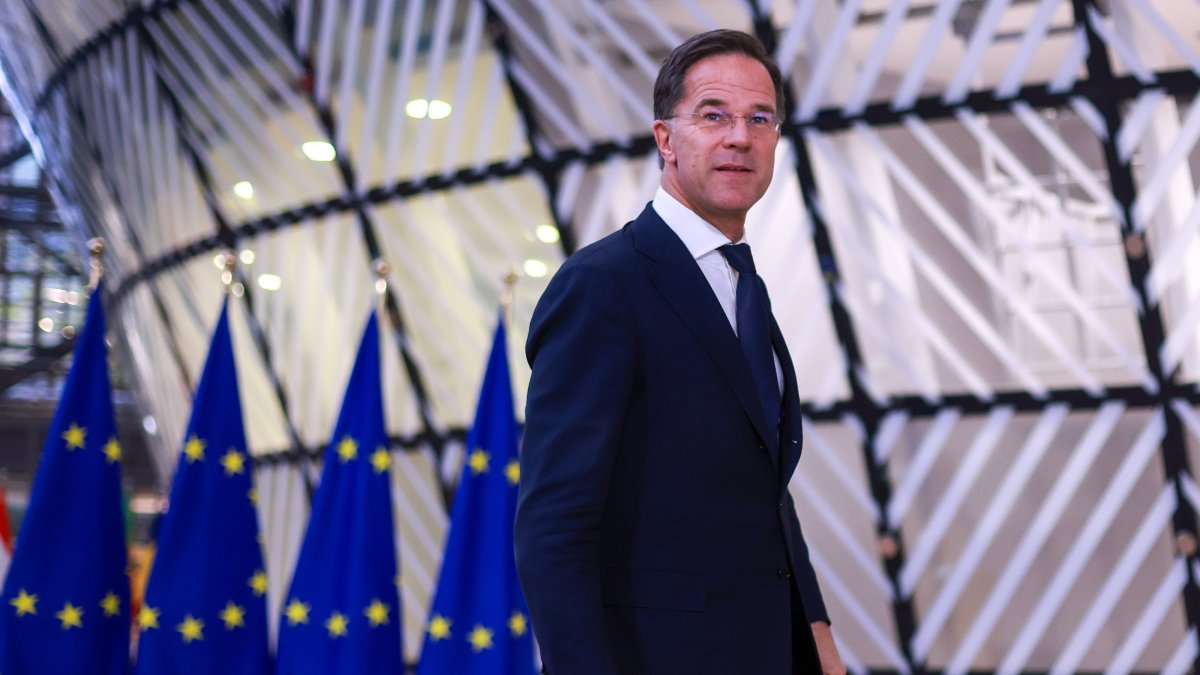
x,y
714,120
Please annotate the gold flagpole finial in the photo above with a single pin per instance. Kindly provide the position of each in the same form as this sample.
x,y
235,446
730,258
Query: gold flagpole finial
x,y
381,271
228,262
96,249
506,294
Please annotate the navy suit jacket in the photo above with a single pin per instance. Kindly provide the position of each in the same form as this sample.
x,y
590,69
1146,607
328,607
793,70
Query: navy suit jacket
x,y
655,532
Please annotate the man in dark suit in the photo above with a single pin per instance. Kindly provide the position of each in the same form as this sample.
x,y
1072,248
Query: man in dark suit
x,y
655,532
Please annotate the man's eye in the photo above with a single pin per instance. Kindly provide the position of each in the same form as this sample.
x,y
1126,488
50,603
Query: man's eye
x,y
714,116
761,120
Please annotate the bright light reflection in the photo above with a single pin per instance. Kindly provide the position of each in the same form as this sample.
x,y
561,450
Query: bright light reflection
x,y
219,261
62,296
439,110
547,233
318,151
417,108
270,282
244,189
46,324
247,256
536,268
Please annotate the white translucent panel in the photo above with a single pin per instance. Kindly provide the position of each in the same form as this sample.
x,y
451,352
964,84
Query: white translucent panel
x,y
452,252
838,516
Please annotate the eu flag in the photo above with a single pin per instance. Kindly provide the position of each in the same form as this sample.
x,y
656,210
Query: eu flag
x,y
342,612
479,622
66,598
205,606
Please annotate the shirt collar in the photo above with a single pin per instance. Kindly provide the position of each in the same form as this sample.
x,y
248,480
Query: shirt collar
x,y
698,235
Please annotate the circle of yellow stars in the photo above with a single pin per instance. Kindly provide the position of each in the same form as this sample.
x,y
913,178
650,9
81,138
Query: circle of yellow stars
x,y
191,629
347,450
71,615
481,637
337,624
479,462
76,438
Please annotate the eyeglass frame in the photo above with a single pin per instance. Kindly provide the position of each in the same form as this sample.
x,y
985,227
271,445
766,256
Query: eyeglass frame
x,y
732,117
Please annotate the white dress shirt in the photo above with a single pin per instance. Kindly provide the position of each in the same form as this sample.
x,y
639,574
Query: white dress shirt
x,y
703,241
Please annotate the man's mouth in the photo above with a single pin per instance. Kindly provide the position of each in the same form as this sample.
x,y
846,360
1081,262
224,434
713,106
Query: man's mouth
x,y
734,168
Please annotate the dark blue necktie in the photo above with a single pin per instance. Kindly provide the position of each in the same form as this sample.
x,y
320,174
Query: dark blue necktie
x,y
754,328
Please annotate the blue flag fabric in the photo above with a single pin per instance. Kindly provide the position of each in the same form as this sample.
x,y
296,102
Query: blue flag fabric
x,y
342,612
479,622
205,607
66,598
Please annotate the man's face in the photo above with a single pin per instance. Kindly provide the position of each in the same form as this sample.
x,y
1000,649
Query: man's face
x,y
719,172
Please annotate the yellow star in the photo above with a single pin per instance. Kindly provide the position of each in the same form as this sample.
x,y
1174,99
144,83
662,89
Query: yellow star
x,y
478,461
517,624
233,461
480,638
439,627
512,471
296,612
112,450
381,460
191,629
347,449
70,615
194,449
111,604
252,495
25,603
147,618
377,613
74,436
336,625
233,616
259,583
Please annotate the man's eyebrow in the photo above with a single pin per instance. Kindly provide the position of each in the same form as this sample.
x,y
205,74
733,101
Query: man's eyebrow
x,y
721,103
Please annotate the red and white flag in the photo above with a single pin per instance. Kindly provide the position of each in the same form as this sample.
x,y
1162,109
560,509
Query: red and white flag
x,y
6,538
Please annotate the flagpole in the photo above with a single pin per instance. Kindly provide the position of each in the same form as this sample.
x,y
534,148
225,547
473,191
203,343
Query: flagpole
x,y
506,295
96,249
381,272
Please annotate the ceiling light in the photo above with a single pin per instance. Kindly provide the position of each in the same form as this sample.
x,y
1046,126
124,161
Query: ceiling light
x,y
270,282
417,108
318,151
547,233
438,109
536,268
219,261
247,256
46,324
244,189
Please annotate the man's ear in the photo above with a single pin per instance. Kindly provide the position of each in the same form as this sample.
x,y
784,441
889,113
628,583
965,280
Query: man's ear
x,y
663,138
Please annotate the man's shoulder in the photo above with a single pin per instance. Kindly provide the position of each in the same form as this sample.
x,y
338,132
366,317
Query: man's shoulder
x,y
616,250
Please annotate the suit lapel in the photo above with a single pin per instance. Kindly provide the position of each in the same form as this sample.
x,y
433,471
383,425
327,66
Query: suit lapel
x,y
791,438
677,277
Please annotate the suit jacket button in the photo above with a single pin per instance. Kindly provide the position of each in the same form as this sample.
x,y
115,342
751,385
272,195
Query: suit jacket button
x,y
784,573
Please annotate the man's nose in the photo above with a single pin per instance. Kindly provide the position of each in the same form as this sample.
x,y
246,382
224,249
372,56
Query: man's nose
x,y
739,133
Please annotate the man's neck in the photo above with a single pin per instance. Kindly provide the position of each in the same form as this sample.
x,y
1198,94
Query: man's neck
x,y
732,227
